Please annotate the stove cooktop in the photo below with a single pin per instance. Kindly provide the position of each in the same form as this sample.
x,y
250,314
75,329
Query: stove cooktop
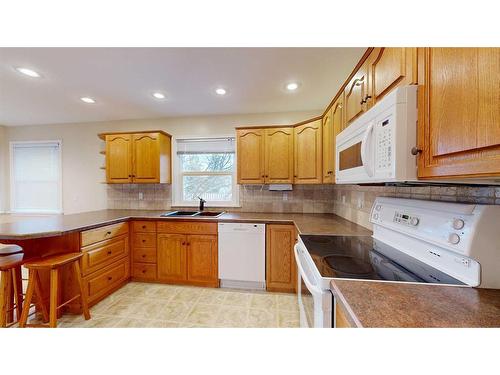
x,y
363,257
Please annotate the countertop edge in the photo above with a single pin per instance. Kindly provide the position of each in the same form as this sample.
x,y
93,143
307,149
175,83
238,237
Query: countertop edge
x,y
353,319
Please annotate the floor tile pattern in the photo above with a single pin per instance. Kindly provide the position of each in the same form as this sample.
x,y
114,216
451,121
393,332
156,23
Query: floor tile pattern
x,y
166,306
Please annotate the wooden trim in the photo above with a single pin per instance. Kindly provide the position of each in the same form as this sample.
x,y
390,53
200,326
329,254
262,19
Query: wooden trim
x,y
356,68
103,135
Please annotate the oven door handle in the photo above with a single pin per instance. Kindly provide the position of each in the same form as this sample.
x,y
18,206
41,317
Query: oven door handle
x,y
312,288
364,146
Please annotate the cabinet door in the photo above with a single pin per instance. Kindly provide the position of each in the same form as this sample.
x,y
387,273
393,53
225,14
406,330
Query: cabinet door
x,y
250,144
356,93
328,148
279,156
308,153
391,67
459,112
281,269
171,257
202,266
119,158
146,158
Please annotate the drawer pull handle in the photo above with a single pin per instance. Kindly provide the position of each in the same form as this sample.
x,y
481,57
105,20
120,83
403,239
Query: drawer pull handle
x,y
110,252
110,278
108,233
143,227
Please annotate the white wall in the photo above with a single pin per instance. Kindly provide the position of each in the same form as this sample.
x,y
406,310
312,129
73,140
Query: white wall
x,y
82,178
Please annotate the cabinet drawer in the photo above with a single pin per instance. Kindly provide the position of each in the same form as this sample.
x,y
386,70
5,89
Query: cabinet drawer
x,y
144,240
144,254
187,227
92,236
101,283
144,271
98,255
144,226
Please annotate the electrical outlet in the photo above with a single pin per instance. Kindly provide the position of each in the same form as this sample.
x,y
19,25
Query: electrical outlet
x,y
141,195
343,198
361,203
285,196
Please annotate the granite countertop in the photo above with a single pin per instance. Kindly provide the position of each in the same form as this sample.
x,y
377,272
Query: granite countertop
x,y
390,304
55,225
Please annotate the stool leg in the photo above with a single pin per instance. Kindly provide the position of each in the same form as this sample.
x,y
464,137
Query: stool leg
x,y
29,297
83,296
54,278
18,290
40,297
4,296
9,300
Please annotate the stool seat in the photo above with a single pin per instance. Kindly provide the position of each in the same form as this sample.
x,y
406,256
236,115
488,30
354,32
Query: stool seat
x,y
10,249
11,261
53,262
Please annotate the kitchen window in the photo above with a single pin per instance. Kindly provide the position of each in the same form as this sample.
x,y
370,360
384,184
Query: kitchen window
x,y
205,168
35,177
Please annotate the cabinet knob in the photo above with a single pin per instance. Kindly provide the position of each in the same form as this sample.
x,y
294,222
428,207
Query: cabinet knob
x,y
143,241
109,252
367,97
362,102
144,255
143,227
415,151
183,243
143,271
110,278
108,233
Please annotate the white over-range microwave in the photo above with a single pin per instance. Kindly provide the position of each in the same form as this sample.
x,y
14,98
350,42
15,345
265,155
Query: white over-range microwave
x,y
377,147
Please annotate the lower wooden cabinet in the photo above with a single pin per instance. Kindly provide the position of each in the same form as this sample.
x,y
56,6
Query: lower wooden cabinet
x,y
102,283
172,257
341,320
202,260
281,269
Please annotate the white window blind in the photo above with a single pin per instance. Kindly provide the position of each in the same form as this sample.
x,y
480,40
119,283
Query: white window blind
x,y
206,169
36,177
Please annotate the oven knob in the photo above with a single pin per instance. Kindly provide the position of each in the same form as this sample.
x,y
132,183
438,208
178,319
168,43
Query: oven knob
x,y
414,221
453,238
375,216
458,224
378,207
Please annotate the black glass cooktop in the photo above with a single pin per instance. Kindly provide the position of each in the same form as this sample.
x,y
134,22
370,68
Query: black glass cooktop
x,y
362,257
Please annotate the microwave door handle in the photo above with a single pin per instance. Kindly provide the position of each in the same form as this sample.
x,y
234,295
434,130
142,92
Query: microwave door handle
x,y
364,145
312,288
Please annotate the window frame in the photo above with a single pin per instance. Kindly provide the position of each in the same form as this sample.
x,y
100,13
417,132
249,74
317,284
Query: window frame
x,y
12,190
177,182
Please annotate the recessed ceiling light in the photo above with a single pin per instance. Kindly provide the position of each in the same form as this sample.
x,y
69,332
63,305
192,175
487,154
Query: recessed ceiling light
x,y
28,72
158,95
220,91
87,100
292,86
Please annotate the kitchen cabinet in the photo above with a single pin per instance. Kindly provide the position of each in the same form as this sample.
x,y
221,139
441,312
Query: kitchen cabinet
x,y
390,68
172,257
187,253
279,155
341,320
332,125
144,251
356,97
250,163
308,154
281,269
138,157
459,112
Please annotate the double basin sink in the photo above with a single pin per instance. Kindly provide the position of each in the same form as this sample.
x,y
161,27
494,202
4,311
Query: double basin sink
x,y
193,214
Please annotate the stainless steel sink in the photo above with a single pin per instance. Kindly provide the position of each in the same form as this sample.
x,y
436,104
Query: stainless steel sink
x,y
192,214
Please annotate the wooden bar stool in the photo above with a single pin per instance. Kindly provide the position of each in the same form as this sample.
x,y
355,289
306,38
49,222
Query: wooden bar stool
x,y
11,286
52,263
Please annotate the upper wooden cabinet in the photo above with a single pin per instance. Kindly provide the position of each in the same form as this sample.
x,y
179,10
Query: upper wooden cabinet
x,y
138,157
388,69
250,164
356,94
265,155
279,155
332,125
459,112
308,153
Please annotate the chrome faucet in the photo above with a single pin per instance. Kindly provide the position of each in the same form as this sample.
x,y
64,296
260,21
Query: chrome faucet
x,y
202,203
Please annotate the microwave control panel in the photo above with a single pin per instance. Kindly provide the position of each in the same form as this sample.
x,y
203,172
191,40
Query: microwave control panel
x,y
383,144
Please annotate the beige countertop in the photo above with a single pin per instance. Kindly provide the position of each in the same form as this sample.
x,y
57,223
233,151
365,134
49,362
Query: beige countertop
x,y
390,304
18,227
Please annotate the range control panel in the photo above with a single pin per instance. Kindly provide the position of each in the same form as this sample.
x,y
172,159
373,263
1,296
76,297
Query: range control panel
x,y
405,219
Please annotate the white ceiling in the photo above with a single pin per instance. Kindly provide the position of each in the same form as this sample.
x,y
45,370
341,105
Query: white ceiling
x,y
122,80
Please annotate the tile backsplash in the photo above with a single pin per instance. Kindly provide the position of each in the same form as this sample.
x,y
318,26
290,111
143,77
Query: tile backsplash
x,y
352,202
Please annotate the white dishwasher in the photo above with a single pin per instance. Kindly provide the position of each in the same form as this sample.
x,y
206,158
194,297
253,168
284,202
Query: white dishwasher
x,y
242,255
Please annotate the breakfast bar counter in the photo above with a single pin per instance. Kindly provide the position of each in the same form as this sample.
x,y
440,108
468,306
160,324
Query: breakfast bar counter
x,y
388,304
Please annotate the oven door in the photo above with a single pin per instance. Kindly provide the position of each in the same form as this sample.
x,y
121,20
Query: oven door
x,y
354,160
315,304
